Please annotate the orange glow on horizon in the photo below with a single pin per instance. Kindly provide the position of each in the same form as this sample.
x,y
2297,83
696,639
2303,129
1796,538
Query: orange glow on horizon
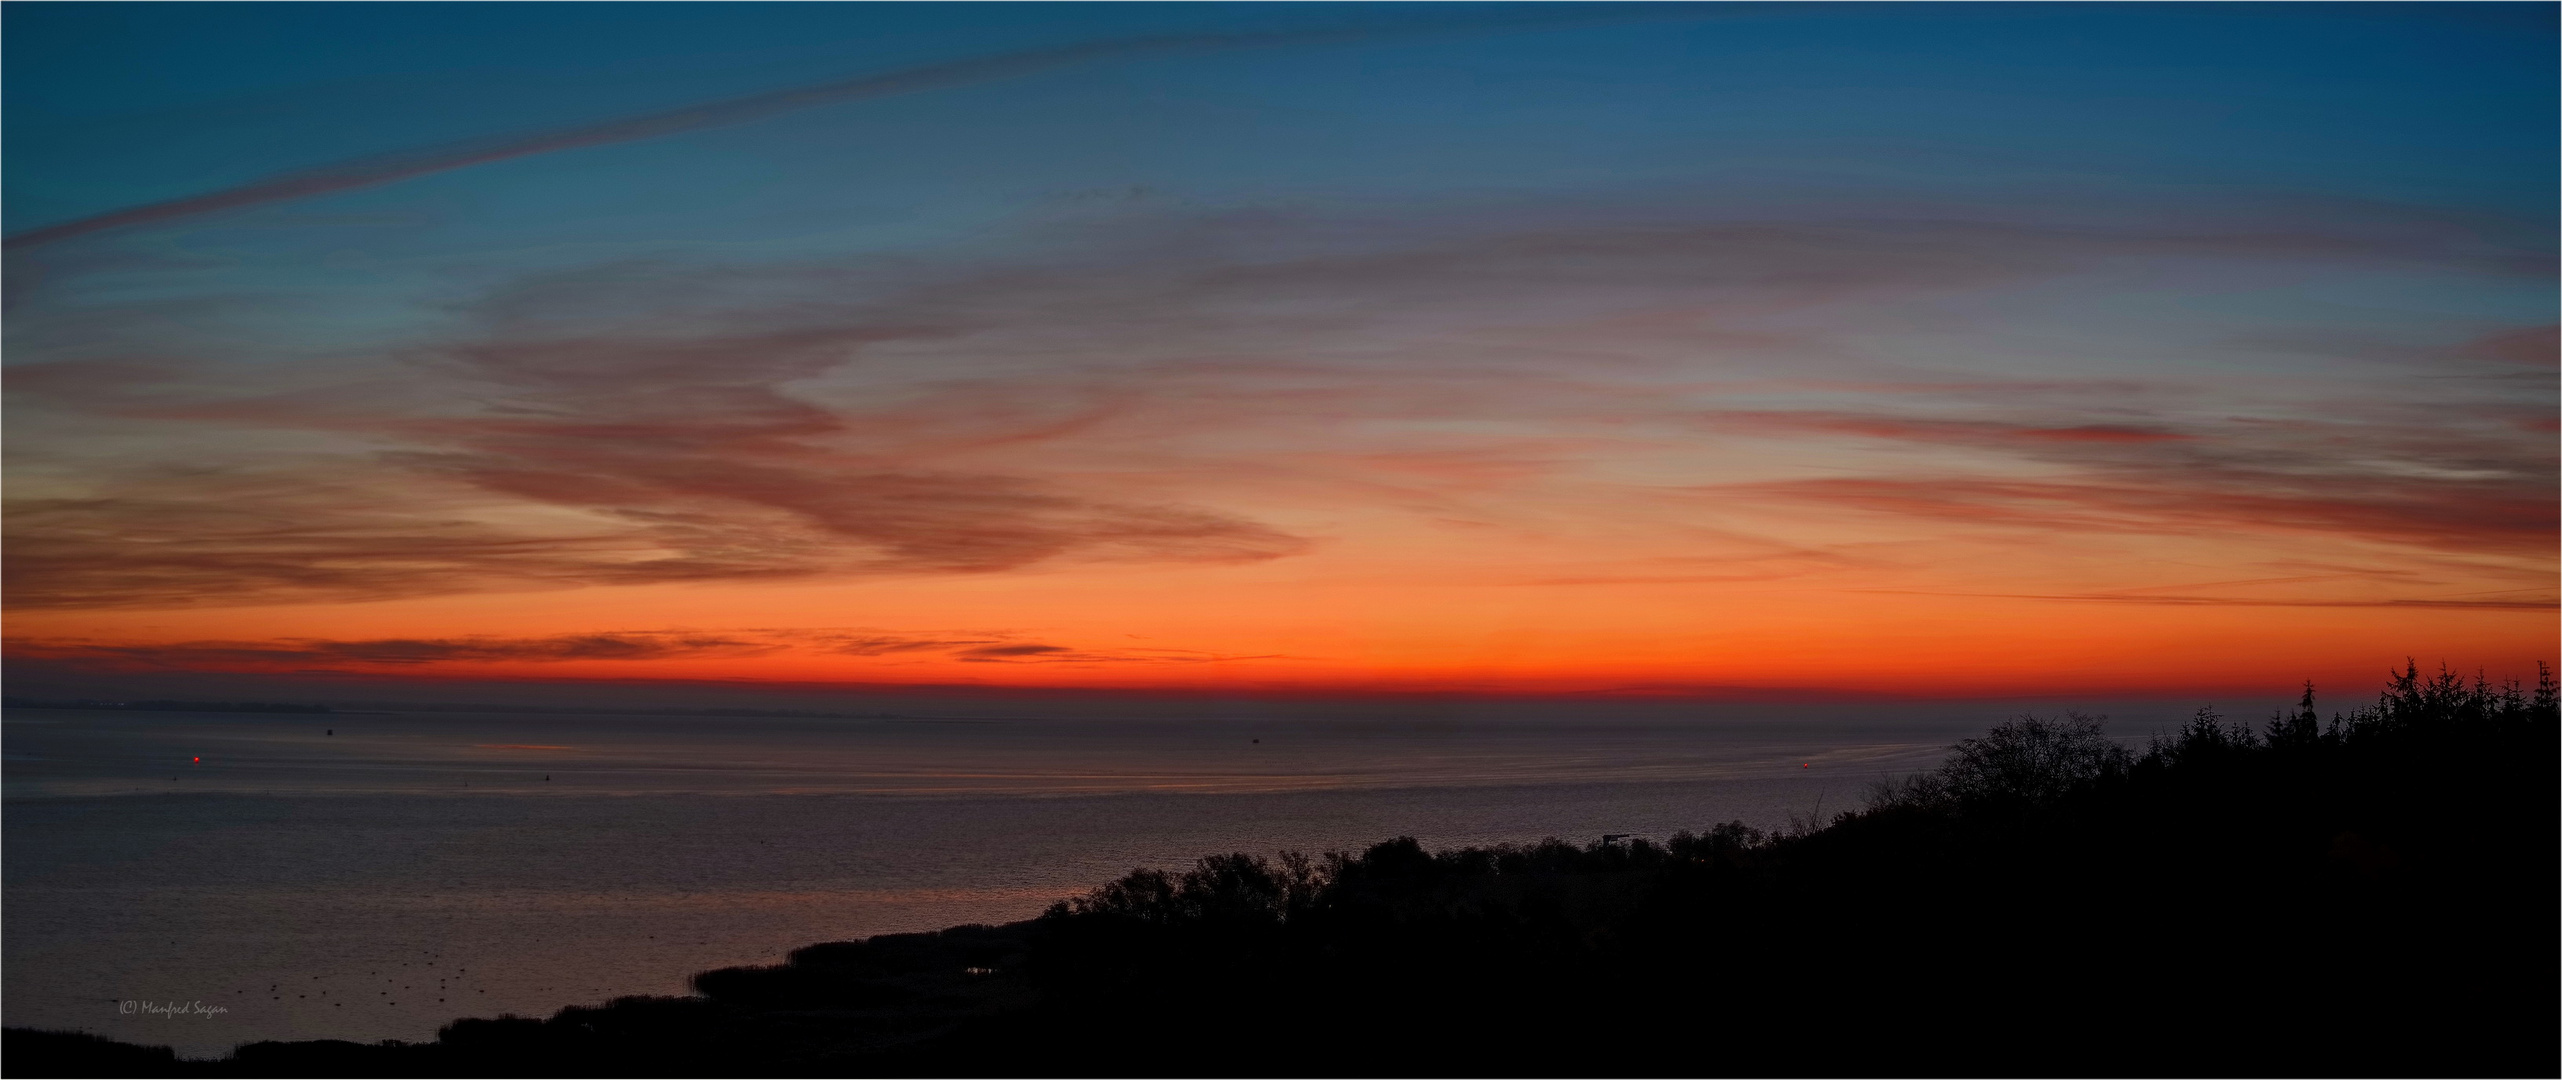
x,y
1262,631
1542,451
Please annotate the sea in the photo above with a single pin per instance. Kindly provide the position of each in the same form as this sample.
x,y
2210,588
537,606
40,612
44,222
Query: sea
x,y
206,879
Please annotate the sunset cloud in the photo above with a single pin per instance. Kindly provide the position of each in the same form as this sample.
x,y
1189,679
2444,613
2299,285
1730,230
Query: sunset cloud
x,y
1369,364
638,423
1950,431
482,652
2454,604
2536,346
2468,517
305,653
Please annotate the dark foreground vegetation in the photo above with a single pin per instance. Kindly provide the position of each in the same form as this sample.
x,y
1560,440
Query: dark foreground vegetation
x,y
2371,895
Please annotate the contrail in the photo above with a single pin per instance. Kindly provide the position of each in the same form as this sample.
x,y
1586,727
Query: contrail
x,y
388,168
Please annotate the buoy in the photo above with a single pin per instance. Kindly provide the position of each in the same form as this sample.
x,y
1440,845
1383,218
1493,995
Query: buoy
x,y
1807,765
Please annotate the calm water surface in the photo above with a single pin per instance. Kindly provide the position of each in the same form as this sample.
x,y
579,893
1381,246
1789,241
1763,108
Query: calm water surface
x,y
411,868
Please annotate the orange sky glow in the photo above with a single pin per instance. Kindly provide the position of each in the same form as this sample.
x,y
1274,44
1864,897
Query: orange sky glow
x,y
1691,431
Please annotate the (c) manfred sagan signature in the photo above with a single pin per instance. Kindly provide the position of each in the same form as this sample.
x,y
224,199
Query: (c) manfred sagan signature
x,y
170,1009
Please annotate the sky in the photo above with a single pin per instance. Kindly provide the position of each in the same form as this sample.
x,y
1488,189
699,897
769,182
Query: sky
x,y
1656,351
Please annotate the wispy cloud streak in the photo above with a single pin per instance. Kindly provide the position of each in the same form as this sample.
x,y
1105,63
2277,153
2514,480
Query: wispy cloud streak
x,y
2510,519
612,647
407,652
2159,600
1175,388
391,168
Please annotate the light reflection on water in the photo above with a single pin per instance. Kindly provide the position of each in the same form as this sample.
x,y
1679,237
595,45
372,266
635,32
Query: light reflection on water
x,y
409,869
99,753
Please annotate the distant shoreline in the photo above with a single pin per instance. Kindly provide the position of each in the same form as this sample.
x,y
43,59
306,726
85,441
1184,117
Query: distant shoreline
x,y
394,709
2366,896
170,706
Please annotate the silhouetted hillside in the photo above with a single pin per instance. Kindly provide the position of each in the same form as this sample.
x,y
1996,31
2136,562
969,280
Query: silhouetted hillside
x,y
2370,895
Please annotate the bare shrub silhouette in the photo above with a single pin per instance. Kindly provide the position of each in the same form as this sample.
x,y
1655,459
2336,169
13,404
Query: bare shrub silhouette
x,y
2026,762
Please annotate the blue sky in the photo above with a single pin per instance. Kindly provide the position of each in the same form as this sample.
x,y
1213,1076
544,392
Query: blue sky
x,y
2240,305
114,104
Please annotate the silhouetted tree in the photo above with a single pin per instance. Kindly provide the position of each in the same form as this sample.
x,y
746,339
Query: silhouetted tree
x,y
2302,729
2379,894
2206,738
2027,761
